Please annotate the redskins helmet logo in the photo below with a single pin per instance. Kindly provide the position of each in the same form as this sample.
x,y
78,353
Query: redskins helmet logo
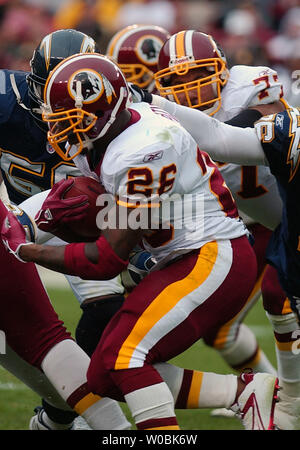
x,y
90,85
148,49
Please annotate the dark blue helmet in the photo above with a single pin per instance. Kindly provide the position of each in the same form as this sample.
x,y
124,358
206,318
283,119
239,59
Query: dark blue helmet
x,y
52,49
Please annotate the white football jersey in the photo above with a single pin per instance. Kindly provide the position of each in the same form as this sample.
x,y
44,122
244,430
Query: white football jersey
x,y
254,188
155,161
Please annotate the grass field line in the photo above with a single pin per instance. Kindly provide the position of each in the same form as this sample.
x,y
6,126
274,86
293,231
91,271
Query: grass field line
x,y
261,330
9,386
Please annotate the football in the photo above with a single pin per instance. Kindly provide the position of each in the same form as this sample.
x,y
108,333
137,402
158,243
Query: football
x,y
85,230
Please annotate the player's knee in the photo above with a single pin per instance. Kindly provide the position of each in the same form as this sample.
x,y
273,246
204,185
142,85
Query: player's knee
x,y
224,337
93,321
98,375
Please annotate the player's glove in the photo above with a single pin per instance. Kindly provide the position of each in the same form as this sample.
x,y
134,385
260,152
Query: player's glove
x,y
139,266
57,210
139,95
18,229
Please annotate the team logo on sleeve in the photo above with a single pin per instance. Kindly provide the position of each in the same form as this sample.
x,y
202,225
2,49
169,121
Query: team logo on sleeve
x,y
90,85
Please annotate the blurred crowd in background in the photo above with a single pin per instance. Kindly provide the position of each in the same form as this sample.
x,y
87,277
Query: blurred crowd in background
x,y
262,32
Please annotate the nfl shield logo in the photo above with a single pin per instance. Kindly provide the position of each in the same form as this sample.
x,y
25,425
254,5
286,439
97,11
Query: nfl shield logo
x,y
49,148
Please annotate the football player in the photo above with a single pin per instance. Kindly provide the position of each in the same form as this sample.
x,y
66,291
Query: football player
x,y
192,71
235,341
146,159
29,165
277,148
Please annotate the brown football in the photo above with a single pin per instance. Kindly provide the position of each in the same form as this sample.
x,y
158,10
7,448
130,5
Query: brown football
x,y
84,230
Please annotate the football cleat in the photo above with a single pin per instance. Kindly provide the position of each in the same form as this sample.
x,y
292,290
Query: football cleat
x,y
255,405
222,412
80,424
37,422
287,412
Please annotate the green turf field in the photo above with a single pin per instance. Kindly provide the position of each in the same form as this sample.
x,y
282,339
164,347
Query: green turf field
x,y
17,401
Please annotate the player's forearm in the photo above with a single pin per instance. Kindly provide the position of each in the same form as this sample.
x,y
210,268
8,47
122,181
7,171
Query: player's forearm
x,y
223,142
90,261
45,255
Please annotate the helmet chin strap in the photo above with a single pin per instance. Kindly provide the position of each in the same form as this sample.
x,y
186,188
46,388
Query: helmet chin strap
x,y
88,142
113,114
18,96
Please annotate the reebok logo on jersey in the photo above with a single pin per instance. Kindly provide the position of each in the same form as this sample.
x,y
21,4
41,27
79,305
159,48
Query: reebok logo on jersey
x,y
153,156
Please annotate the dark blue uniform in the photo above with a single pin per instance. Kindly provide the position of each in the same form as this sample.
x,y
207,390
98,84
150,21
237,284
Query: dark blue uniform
x,y
28,164
280,138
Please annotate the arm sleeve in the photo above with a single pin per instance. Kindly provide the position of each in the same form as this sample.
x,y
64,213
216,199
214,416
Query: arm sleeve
x,y
223,142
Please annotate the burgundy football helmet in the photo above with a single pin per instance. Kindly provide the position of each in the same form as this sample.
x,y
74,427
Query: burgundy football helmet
x,y
190,50
83,96
135,49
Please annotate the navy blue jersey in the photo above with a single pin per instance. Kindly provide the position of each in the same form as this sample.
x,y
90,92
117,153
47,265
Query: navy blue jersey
x,y
28,164
280,138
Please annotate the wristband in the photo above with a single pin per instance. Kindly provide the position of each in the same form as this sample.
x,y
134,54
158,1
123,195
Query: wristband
x,y
109,264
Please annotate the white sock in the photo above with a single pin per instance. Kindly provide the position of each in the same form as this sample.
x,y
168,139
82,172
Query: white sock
x,y
112,417
172,375
287,351
217,391
151,402
205,389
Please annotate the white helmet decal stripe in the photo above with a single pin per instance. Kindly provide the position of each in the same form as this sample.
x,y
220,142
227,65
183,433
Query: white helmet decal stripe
x,y
172,47
46,45
88,45
188,43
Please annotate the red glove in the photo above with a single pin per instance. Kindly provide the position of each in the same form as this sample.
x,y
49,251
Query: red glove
x,y
57,210
16,231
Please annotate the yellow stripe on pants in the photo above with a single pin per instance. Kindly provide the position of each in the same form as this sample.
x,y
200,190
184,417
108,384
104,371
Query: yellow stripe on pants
x,y
166,300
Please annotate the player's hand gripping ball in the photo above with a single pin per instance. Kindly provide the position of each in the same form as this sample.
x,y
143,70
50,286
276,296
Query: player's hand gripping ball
x,y
70,211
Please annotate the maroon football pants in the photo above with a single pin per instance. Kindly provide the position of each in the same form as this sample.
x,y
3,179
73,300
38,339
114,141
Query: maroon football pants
x,y
168,312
